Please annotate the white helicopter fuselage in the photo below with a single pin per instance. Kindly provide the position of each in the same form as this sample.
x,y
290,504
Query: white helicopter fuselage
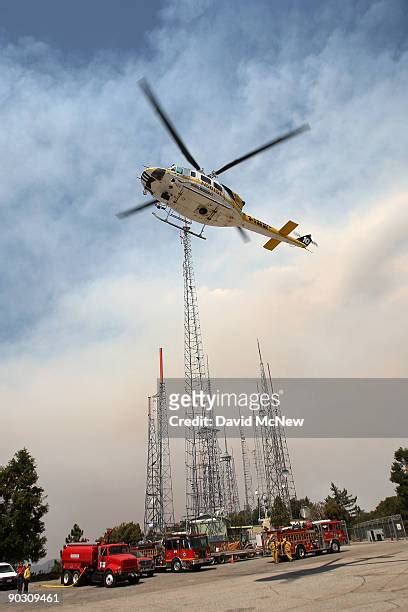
x,y
200,198
185,192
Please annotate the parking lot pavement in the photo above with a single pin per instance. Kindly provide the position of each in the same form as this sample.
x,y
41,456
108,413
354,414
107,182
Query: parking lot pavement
x,y
361,577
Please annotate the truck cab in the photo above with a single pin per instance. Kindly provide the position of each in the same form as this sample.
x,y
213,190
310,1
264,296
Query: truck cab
x,y
184,551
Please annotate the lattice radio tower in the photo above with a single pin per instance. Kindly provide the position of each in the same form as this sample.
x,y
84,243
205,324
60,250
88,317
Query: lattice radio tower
x,y
277,477
159,509
203,482
246,472
229,481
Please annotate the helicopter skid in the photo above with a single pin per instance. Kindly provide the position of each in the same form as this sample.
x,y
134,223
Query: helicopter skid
x,y
180,227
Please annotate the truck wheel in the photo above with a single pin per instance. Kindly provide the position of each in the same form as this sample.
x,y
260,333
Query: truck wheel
x,y
109,580
176,565
221,559
133,579
66,578
334,547
75,577
300,552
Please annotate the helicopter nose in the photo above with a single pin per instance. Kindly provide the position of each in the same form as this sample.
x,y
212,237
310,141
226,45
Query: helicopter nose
x,y
154,173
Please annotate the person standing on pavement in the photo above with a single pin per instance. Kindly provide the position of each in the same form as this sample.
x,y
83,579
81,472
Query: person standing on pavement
x,y
27,577
274,548
20,576
287,549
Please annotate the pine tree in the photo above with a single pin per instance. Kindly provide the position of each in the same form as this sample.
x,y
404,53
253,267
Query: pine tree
x,y
341,505
22,507
75,535
399,475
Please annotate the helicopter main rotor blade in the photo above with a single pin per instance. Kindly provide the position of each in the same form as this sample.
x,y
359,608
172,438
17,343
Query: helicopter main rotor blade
x,y
243,234
135,209
167,123
303,128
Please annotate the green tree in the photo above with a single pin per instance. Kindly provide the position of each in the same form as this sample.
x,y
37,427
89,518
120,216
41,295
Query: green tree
x,y
255,515
56,568
388,506
341,505
297,504
130,533
241,518
22,507
399,475
75,535
279,513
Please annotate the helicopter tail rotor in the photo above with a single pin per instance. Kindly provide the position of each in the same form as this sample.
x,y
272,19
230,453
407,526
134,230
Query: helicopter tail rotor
x,y
306,239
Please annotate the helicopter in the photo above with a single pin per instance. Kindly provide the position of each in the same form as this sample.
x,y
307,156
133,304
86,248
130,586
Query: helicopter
x,y
186,195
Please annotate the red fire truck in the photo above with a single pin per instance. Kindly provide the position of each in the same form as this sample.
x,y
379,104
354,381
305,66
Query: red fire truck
x,y
184,551
311,537
105,564
179,551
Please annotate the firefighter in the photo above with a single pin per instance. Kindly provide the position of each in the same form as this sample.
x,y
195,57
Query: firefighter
x,y
274,548
27,577
287,549
20,576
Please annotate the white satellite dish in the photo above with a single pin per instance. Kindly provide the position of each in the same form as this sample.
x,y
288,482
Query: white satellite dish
x,y
305,512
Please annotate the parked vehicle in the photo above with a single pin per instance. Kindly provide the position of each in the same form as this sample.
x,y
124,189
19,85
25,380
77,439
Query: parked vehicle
x,y
311,537
105,564
223,552
8,577
152,550
146,563
178,551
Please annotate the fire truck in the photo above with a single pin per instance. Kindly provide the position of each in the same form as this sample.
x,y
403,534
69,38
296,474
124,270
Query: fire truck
x,y
178,551
310,537
102,563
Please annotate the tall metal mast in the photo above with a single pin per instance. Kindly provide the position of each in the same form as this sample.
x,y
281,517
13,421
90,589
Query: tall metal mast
x,y
159,508
246,472
229,481
276,465
203,491
258,460
288,483
152,494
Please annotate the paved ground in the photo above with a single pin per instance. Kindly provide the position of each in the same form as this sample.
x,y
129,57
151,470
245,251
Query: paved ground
x,y
361,577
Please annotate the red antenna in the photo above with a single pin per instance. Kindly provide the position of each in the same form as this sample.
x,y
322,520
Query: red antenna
x,y
161,364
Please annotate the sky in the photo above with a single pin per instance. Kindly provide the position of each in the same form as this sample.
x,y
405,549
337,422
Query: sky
x,y
87,300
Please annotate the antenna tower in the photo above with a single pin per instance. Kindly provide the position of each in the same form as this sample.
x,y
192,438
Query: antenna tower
x,y
159,509
203,482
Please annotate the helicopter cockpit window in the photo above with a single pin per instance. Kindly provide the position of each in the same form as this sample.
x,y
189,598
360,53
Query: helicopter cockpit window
x,y
205,179
192,173
230,193
179,170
